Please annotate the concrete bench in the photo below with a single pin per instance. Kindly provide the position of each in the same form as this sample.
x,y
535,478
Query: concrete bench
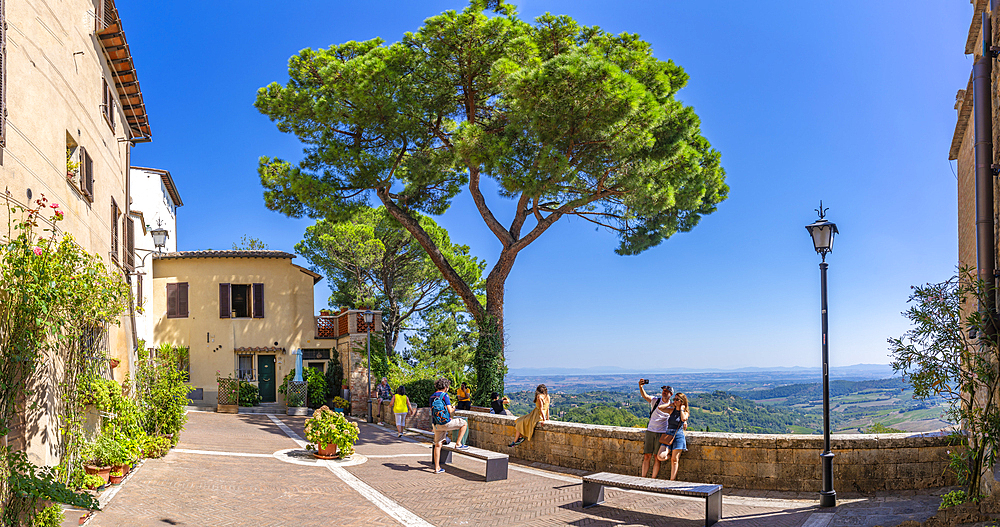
x,y
496,462
593,491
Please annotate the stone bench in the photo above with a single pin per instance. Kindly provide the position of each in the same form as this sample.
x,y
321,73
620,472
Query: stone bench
x,y
496,463
593,491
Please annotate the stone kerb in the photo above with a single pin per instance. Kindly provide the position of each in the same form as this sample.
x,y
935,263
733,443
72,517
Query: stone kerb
x,y
863,463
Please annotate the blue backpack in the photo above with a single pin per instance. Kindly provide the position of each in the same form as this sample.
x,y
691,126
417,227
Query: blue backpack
x,y
439,412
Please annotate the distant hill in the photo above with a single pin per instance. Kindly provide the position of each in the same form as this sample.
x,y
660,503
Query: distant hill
x,y
815,390
870,371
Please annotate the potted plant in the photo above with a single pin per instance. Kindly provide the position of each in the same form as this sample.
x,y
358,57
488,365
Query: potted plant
x,y
101,454
93,481
340,404
325,312
116,477
332,433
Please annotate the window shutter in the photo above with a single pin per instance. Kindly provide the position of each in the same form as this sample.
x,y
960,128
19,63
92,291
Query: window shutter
x,y
171,300
225,309
138,291
130,244
258,301
86,174
114,230
83,169
182,300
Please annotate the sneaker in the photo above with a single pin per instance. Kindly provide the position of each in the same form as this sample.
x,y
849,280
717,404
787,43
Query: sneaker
x,y
513,443
380,423
439,471
462,447
399,435
519,441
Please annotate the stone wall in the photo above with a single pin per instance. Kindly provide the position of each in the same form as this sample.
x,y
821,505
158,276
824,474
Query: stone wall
x,y
863,463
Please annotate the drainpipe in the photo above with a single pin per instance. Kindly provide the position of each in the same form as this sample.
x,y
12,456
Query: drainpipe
x,y
983,111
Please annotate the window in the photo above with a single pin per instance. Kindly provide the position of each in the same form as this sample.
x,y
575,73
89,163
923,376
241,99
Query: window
x,y
177,300
244,370
114,231
241,300
108,107
316,366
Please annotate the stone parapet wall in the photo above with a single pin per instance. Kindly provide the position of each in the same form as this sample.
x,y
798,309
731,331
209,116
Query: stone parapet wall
x,y
863,463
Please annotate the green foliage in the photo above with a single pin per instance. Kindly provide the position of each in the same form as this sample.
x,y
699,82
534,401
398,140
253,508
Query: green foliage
x,y
155,447
567,120
370,260
951,351
879,428
249,243
28,484
51,516
447,340
327,427
315,388
91,481
419,391
600,414
955,497
249,394
161,384
340,402
56,301
334,376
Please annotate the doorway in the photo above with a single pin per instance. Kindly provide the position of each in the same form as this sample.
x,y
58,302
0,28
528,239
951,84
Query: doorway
x,y
265,376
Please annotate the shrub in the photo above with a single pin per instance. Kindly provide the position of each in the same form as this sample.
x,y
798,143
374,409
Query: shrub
x,y
315,390
249,394
340,402
162,389
51,516
155,447
334,376
420,391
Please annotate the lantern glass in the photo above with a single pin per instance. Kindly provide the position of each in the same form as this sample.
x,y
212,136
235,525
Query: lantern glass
x,y
822,233
368,317
159,237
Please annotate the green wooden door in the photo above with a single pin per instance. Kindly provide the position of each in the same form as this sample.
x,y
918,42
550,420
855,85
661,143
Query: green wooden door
x,y
265,376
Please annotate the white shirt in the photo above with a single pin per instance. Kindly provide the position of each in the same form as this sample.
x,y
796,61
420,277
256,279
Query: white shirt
x,y
658,421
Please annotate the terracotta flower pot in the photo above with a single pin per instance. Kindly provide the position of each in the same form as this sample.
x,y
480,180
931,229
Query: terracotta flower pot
x,y
104,472
114,480
121,468
328,451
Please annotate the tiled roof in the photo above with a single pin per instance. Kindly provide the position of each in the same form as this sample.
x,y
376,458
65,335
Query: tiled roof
x,y
223,254
262,349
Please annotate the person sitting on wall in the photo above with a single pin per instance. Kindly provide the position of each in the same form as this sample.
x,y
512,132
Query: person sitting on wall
x,y
498,405
383,394
464,396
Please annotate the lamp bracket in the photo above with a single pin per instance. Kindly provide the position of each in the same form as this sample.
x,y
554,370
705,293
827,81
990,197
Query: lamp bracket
x,y
821,211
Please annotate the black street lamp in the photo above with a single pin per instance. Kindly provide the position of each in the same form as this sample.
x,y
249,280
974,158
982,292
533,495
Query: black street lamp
x,y
822,232
368,332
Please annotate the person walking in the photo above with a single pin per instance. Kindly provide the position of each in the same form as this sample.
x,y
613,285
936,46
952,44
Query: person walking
x,y
659,412
401,408
383,392
464,396
525,425
442,422
676,424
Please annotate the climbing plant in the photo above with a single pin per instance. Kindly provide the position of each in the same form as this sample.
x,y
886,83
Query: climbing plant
x,y
56,301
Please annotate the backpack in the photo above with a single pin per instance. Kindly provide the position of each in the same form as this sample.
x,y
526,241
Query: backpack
x,y
439,412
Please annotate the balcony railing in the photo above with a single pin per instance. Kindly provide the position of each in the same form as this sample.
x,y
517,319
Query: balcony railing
x,y
326,327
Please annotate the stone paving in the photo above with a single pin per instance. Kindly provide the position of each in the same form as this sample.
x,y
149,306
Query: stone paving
x,y
223,472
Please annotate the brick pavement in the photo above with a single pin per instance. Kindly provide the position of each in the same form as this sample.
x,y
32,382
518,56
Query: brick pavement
x,y
207,490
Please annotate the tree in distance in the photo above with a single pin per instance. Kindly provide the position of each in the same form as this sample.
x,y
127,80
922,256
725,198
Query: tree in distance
x,y
249,243
567,120
370,260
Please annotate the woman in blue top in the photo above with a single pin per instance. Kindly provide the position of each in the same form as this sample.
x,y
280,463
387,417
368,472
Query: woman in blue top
x,y
675,425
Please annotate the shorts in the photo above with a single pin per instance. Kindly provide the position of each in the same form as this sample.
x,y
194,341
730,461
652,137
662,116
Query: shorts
x,y
652,443
401,419
464,405
680,442
440,431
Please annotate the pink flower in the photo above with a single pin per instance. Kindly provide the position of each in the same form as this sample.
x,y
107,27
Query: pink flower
x,y
37,251
54,205
59,215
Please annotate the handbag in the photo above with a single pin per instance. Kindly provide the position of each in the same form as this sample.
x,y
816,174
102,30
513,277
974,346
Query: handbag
x,y
666,439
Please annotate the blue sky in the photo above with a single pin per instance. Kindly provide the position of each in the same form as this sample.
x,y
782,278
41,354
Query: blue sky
x,y
850,102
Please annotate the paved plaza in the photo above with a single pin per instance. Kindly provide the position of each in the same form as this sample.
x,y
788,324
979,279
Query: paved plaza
x,y
249,469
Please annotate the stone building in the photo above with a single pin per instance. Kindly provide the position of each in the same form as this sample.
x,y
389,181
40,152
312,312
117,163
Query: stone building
x,y
70,112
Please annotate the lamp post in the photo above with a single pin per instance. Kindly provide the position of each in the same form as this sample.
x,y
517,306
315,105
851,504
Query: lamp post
x,y
160,236
368,332
822,232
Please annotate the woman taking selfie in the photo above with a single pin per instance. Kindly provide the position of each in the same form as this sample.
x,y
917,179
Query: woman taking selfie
x,y
675,426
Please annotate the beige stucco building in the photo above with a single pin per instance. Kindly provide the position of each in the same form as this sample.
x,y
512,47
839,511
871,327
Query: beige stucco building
x,y
245,313
69,95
